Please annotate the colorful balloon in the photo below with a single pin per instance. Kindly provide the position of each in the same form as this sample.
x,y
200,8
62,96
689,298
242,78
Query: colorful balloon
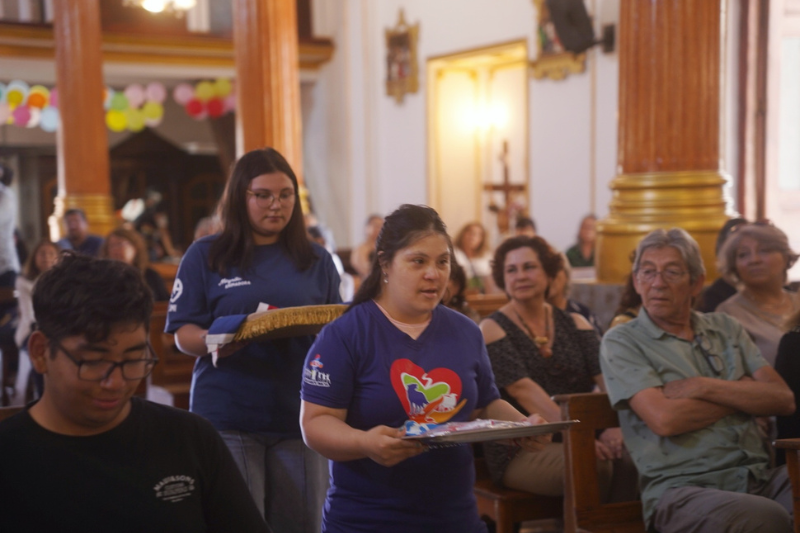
x,y
204,91
135,119
119,102
36,116
215,108
5,112
156,92
15,96
54,97
21,115
183,93
116,120
37,100
153,113
194,108
230,102
135,95
49,120
223,87
3,91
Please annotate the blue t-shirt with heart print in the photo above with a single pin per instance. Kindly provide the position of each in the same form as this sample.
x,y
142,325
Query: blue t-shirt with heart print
x,y
363,363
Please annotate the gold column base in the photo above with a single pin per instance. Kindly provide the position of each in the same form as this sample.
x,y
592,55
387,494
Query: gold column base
x,y
304,196
692,200
99,213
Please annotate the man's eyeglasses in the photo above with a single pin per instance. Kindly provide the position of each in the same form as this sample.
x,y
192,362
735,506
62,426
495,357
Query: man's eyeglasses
x,y
265,200
100,369
669,275
714,361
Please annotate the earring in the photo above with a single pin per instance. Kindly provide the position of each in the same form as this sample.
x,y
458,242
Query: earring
x,y
385,277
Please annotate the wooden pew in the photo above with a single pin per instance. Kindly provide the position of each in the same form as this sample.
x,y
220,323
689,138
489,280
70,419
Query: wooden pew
x,y
8,412
507,507
486,304
583,510
792,447
174,369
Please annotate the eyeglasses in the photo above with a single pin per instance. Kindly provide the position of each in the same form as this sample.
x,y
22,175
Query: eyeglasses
x,y
669,275
265,200
714,361
100,369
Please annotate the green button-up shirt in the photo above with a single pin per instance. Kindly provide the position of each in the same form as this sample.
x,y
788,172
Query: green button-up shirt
x,y
639,355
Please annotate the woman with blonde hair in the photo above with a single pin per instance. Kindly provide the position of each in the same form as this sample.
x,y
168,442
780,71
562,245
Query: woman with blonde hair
x,y
757,257
126,245
471,251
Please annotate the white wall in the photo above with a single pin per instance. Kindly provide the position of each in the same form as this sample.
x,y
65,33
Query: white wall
x,y
368,153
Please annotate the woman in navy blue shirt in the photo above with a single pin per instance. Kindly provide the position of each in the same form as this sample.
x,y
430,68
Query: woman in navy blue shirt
x,y
261,257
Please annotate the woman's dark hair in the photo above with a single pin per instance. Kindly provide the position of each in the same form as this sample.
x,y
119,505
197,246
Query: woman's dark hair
x,y
31,270
457,274
85,296
630,299
551,260
405,226
140,260
234,245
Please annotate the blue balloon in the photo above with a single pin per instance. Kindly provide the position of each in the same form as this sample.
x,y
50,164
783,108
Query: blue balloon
x,y
49,120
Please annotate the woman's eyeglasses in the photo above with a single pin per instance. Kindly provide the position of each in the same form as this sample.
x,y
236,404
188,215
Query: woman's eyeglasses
x,y
265,199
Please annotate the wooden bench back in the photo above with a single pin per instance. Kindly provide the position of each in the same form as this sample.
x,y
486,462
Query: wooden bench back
x,y
486,304
583,509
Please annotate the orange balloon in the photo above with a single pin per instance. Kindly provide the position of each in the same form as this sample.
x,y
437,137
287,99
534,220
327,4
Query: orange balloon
x,y
37,100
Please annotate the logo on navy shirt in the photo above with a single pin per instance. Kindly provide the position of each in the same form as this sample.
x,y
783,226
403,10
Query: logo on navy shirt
x,y
177,291
313,375
174,488
226,283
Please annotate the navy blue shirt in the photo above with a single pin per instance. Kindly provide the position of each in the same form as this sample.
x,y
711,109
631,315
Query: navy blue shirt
x,y
256,389
90,246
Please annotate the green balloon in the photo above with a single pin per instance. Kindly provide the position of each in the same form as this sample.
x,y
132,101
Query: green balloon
x,y
119,102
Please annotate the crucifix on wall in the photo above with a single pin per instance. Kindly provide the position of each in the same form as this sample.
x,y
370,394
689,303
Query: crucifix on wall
x,y
504,213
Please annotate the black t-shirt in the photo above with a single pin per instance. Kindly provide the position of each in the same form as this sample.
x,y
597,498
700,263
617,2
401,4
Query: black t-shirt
x,y
160,470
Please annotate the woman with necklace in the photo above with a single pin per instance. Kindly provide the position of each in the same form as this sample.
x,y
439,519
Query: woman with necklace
x,y
397,356
758,257
537,351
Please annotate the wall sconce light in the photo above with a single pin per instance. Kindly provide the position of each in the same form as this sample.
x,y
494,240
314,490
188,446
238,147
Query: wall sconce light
x,y
177,7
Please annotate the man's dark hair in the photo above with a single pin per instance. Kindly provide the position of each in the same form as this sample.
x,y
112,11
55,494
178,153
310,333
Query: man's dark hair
x,y
84,296
525,222
75,211
6,175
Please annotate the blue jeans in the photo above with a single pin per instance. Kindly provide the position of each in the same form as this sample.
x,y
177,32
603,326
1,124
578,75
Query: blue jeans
x,y
287,480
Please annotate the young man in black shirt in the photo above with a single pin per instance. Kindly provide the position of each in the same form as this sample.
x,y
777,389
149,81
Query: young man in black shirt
x,y
88,456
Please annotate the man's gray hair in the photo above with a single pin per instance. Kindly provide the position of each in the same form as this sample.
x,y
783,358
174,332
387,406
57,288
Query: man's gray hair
x,y
680,240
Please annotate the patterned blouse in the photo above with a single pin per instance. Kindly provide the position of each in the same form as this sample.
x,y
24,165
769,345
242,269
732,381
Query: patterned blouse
x,y
571,369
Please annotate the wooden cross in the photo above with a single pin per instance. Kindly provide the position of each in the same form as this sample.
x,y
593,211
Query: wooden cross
x,y
507,188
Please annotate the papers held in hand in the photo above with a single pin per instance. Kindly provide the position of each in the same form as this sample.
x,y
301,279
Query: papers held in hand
x,y
486,430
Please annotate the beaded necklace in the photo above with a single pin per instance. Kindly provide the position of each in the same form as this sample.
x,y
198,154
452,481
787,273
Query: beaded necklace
x,y
542,342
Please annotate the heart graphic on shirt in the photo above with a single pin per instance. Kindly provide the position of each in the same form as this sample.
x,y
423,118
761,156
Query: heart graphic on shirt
x,y
427,397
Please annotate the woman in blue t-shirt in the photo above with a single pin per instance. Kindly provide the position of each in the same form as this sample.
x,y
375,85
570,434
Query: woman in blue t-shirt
x,y
397,355
261,257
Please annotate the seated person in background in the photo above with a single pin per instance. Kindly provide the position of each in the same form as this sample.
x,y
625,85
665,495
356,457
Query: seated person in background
x,y
688,387
364,254
758,257
724,286
558,295
88,456
537,351
454,295
629,304
525,226
128,246
581,254
44,256
207,226
471,249
787,364
78,237
153,225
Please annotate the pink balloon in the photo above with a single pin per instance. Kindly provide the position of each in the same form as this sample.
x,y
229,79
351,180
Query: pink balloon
x,y
229,103
135,95
183,93
5,112
54,97
156,92
21,114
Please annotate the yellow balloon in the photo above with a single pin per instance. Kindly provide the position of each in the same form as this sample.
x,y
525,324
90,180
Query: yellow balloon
x,y
223,87
14,97
153,111
116,120
40,89
204,91
135,119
